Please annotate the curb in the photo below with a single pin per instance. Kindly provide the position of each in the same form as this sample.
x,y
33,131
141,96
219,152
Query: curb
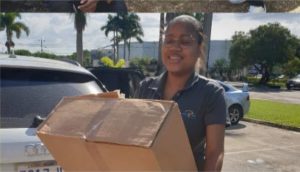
x,y
297,129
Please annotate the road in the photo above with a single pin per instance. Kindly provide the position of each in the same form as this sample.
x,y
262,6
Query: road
x,y
292,96
252,147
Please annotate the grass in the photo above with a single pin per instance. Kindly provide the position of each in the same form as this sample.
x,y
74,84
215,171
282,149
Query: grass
x,y
275,112
272,83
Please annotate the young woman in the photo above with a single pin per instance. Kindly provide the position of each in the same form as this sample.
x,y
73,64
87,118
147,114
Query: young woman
x,y
201,101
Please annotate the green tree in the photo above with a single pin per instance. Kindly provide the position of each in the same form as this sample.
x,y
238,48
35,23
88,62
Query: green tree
x,y
8,23
87,61
23,52
113,25
292,67
79,24
106,61
221,66
45,55
238,50
264,47
130,27
124,26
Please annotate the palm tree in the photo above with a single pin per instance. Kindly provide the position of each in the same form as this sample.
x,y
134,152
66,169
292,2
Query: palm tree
x,y
125,26
113,25
9,24
79,24
161,32
207,23
130,28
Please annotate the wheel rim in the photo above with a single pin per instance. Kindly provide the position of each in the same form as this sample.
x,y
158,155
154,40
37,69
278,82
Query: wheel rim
x,y
234,115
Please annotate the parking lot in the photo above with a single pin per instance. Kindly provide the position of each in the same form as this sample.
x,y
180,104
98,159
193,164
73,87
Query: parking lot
x,y
253,147
292,96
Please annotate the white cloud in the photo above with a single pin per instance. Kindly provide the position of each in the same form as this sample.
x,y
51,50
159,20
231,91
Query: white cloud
x,y
225,24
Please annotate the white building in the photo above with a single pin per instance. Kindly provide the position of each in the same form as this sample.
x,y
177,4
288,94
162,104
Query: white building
x,y
145,49
218,49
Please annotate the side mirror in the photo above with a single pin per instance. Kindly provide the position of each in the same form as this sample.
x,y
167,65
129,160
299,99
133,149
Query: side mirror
x,y
245,87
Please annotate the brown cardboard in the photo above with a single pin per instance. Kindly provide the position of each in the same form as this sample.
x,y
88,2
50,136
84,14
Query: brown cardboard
x,y
112,134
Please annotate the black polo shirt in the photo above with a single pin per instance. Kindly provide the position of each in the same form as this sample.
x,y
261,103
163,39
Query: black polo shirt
x,y
201,103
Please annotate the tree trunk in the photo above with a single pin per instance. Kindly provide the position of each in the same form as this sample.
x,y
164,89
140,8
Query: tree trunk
x,y
265,75
161,31
207,31
79,46
117,42
114,46
7,44
128,46
170,16
124,50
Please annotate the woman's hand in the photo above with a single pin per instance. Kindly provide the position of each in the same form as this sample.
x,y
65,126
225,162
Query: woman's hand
x,y
88,5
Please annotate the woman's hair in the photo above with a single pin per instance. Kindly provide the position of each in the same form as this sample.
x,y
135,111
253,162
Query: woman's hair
x,y
193,22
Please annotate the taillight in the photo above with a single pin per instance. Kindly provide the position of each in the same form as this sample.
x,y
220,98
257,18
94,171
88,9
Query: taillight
x,y
248,97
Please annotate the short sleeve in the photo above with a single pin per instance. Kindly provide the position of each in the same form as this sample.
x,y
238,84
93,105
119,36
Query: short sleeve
x,y
142,92
216,106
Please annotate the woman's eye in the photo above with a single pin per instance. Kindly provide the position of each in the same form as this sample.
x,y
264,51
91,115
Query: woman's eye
x,y
186,42
169,41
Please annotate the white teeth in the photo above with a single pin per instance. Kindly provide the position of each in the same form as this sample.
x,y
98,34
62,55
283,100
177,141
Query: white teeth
x,y
175,57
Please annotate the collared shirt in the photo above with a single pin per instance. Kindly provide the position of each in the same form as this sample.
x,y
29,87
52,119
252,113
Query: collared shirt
x,y
201,103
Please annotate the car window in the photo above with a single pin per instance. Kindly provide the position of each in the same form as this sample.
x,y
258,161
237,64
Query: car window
x,y
225,87
26,93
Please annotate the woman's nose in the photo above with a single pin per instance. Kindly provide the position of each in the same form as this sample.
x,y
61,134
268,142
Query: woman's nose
x,y
176,44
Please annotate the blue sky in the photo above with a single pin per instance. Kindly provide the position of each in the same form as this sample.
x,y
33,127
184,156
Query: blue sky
x,y
57,29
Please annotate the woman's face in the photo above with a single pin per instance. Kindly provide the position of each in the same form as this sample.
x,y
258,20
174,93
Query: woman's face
x,y
180,48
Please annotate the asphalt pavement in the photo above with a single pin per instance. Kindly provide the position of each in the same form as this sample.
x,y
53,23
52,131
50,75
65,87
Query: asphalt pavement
x,y
251,147
286,96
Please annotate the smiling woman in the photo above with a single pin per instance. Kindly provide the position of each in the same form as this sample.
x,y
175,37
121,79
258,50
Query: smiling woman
x,y
201,101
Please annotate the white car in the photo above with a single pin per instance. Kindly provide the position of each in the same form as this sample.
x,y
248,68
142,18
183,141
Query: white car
x,y
30,88
237,101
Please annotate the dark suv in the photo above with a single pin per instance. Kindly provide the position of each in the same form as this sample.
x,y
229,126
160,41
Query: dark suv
x,y
125,79
30,88
293,82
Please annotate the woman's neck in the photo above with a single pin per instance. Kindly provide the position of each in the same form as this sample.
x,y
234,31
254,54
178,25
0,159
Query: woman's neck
x,y
174,83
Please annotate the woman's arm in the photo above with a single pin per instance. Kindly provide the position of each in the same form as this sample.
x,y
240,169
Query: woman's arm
x,y
214,151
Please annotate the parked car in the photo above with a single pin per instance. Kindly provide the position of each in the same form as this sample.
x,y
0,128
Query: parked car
x,y
125,79
237,102
30,88
293,82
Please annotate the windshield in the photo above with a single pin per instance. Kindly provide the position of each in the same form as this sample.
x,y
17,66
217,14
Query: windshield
x,y
28,93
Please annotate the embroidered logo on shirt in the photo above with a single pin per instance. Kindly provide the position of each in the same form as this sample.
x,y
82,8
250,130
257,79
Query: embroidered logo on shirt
x,y
189,114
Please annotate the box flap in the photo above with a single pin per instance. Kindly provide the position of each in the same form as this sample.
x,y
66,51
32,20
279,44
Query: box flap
x,y
106,120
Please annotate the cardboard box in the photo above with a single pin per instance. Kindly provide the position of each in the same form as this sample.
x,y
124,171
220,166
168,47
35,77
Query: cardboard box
x,y
90,133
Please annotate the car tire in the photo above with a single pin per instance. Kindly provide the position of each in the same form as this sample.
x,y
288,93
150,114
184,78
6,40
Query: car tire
x,y
235,114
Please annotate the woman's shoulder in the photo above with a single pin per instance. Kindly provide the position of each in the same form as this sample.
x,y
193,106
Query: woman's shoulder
x,y
149,80
210,84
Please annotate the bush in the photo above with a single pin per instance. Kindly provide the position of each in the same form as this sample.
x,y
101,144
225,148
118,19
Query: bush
x,y
23,52
106,61
146,64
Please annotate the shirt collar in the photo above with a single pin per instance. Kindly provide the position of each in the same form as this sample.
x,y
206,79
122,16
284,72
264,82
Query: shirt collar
x,y
159,83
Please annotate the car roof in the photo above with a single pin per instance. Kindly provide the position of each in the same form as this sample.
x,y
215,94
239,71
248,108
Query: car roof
x,y
17,61
229,86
